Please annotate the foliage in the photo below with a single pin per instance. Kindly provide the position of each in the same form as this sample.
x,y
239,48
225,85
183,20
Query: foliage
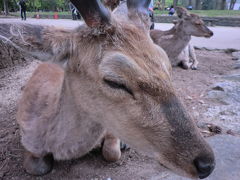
x,y
50,13
168,3
207,4
210,13
33,5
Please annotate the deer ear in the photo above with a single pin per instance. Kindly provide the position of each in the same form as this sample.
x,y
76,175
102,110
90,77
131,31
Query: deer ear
x,y
41,42
182,12
93,12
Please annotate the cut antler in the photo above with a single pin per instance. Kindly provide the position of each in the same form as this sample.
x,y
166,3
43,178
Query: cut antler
x,y
93,12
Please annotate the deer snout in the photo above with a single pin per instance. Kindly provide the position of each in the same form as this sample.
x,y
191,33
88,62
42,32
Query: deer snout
x,y
204,166
209,34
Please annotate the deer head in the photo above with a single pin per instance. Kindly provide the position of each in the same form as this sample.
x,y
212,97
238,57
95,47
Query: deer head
x,y
117,76
192,23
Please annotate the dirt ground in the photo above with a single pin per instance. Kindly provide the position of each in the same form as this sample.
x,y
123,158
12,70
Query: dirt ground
x,y
191,85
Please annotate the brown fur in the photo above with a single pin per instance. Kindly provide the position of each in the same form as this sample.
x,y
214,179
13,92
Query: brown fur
x,y
66,112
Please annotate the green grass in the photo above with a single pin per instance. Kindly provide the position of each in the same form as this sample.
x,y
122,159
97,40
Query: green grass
x,y
31,14
210,13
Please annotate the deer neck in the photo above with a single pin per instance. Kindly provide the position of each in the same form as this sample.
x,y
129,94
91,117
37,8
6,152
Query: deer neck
x,y
181,35
179,41
170,31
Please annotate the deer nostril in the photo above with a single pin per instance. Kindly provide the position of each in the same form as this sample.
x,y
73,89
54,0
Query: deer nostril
x,y
211,33
204,167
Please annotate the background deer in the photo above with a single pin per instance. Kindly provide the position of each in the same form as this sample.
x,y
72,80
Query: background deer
x,y
186,56
175,40
113,78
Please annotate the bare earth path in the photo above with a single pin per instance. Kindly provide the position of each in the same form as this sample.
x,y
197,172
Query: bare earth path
x,y
224,37
192,86
208,101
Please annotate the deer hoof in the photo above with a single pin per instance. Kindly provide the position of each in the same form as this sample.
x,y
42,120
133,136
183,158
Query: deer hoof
x,y
124,147
185,66
38,165
194,68
111,149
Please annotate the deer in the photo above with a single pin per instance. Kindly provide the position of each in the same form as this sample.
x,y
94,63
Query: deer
x,y
177,39
185,54
106,80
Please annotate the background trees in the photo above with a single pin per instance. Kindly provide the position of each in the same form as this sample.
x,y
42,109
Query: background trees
x,y
62,5
33,5
205,4
232,3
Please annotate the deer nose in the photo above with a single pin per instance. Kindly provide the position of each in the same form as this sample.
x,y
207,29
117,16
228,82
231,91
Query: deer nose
x,y
204,166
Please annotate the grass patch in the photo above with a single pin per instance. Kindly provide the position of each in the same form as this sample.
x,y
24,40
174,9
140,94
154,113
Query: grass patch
x,y
210,13
31,14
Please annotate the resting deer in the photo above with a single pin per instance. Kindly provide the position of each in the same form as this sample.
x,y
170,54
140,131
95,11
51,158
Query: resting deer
x,y
175,40
113,78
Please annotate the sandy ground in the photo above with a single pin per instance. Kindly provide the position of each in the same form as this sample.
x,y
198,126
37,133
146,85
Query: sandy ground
x,y
192,87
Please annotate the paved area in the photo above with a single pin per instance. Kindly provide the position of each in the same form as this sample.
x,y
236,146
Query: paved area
x,y
224,37
227,154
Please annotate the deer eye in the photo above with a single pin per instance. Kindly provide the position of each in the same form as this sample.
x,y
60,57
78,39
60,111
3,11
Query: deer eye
x,y
117,85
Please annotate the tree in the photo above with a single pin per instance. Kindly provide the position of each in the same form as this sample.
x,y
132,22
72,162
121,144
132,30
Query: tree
x,y
223,4
33,5
5,6
220,4
163,4
175,3
198,4
190,3
232,4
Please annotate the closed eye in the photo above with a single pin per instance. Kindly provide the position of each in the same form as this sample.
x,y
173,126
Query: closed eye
x,y
117,85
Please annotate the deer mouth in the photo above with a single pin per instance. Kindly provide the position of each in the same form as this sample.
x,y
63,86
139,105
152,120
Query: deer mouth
x,y
208,35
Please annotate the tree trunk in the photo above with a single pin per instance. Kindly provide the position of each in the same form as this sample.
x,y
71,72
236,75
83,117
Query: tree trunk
x,y
5,5
223,4
232,4
163,4
190,3
220,4
175,2
198,5
15,6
